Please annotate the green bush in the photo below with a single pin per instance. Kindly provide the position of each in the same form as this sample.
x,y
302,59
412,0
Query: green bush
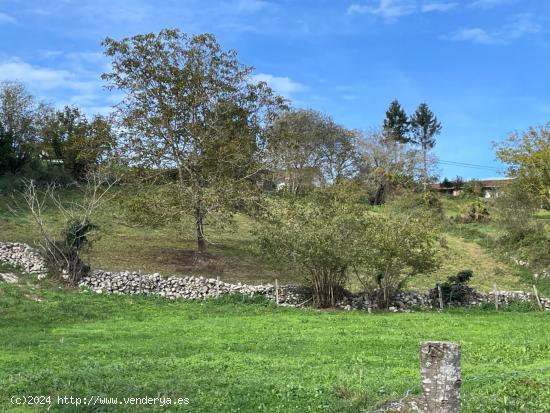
x,y
455,290
329,239
476,212
524,237
321,238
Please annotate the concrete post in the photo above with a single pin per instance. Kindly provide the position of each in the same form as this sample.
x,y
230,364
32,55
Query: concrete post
x,y
440,367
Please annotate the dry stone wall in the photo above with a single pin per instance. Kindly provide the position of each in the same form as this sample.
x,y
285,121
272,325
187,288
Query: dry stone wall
x,y
192,287
410,300
189,287
24,257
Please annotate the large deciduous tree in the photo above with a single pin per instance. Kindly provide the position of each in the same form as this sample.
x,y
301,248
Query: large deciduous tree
x,y
192,107
385,166
528,157
424,128
20,123
81,144
307,146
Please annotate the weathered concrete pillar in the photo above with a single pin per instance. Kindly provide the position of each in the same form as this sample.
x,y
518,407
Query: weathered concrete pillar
x,y
440,366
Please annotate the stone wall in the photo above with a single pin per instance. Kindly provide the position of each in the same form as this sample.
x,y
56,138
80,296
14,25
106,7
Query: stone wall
x,y
24,257
188,287
191,287
410,300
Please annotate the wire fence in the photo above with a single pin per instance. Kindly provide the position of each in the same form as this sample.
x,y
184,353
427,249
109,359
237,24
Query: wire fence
x,y
409,401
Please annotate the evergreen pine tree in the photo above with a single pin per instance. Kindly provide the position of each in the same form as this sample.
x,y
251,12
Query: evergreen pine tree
x,y
396,123
424,128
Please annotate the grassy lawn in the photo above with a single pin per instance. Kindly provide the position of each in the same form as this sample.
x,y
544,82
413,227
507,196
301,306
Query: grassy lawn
x,y
459,254
226,356
164,250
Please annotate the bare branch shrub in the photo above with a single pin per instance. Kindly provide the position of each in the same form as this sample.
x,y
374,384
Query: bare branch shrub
x,y
64,251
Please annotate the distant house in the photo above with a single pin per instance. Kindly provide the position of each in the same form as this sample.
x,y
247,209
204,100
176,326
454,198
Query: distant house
x,y
294,179
488,188
44,156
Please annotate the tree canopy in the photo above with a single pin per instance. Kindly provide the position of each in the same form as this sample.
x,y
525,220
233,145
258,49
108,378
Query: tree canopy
x,y
396,124
306,146
528,157
191,106
424,128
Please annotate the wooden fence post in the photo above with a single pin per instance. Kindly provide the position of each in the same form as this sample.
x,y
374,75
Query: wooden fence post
x,y
495,293
440,367
217,286
276,291
538,298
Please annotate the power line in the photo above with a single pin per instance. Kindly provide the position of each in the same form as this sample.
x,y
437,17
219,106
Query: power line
x,y
467,165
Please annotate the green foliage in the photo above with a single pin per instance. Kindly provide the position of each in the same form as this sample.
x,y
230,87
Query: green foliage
x,y
76,238
426,203
328,239
307,148
431,201
424,128
12,159
472,188
386,167
322,238
396,124
477,211
525,237
528,157
393,250
446,183
455,290
77,144
191,107
19,115
77,233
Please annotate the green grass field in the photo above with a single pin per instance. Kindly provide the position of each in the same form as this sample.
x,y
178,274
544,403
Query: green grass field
x,y
237,355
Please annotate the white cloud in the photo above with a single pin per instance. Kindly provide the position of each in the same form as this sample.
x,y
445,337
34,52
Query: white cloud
x,y
387,9
522,25
280,84
249,6
475,35
6,18
438,7
45,82
392,9
358,9
39,77
487,4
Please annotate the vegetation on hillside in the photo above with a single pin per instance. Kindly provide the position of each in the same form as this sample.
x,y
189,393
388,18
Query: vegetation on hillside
x,y
199,150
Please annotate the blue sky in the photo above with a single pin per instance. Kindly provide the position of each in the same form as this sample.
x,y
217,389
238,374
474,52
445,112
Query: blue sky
x,y
481,65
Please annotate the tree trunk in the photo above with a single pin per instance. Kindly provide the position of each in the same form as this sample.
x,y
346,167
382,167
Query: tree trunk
x,y
425,160
201,241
